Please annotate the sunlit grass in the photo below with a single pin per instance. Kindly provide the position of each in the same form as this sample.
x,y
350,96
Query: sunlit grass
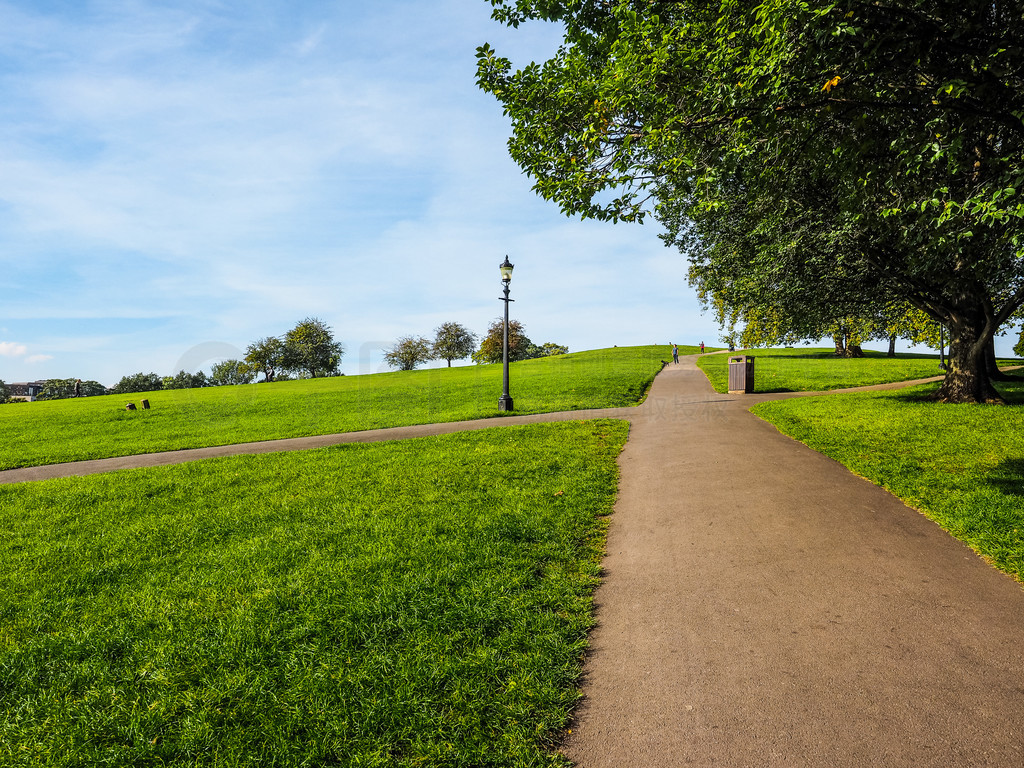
x,y
89,428
420,603
818,370
962,465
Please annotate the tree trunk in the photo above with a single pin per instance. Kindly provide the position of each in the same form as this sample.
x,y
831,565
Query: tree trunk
x,y
967,379
844,348
840,342
892,346
990,364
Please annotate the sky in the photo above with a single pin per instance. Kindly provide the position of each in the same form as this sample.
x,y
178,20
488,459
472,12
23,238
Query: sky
x,y
181,178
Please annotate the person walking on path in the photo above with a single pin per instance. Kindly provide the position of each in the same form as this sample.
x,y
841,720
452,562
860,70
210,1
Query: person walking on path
x,y
675,354
702,347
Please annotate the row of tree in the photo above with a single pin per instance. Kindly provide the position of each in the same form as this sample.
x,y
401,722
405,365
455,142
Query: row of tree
x,y
820,164
56,389
309,350
455,342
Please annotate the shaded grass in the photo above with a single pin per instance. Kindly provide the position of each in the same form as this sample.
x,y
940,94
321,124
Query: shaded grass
x,y
961,465
418,603
91,428
818,370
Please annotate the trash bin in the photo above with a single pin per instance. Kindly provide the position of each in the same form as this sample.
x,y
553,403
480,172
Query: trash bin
x,y
741,375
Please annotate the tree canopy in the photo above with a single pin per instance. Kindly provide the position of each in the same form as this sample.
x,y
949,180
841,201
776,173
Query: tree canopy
x,y
229,372
265,355
310,348
813,161
138,382
492,345
408,352
453,342
185,380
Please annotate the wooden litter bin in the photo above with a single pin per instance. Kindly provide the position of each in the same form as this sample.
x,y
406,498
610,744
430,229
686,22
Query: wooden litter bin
x,y
741,375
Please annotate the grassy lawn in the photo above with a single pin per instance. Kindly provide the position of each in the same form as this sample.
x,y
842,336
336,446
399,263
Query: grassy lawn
x,y
962,465
91,428
418,603
818,370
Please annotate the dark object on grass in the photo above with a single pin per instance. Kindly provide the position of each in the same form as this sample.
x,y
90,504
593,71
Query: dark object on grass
x,y
145,405
130,407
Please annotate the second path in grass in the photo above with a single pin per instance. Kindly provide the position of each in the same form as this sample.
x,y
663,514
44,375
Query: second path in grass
x,y
99,427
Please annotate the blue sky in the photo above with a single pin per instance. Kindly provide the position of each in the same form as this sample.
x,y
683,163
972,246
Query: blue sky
x,y
179,179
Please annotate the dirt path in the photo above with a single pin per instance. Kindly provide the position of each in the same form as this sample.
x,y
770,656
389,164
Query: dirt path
x,y
763,607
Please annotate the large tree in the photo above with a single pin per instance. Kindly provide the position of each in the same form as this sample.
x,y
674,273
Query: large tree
x,y
844,154
310,348
453,342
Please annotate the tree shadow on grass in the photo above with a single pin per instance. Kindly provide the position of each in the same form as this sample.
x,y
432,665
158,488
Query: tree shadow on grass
x,y
1008,477
922,393
1012,391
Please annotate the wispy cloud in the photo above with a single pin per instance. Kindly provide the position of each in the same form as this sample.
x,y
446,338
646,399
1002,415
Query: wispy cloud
x,y
209,172
11,349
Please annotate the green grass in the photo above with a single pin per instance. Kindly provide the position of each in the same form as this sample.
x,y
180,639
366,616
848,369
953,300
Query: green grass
x,y
961,465
818,370
91,428
417,603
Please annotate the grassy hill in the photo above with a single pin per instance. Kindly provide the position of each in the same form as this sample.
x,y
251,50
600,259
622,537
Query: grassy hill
x,y
414,603
98,427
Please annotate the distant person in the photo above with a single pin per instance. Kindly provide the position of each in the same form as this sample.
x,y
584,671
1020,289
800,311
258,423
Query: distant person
x,y
78,387
675,354
702,347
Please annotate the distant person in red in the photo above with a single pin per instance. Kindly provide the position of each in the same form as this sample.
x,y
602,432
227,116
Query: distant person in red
x,y
702,347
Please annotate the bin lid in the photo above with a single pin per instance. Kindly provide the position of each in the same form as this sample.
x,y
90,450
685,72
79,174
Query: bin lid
x,y
740,359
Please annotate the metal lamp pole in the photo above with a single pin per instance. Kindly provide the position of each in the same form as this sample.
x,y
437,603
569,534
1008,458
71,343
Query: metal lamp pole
x,y
505,401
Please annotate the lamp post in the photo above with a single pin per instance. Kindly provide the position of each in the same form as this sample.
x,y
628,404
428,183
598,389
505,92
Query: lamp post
x,y
505,401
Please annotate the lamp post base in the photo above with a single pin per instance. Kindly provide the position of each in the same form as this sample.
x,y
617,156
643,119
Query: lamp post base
x,y
505,403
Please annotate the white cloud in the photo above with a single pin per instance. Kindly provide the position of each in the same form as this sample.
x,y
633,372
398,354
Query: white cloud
x,y
11,349
38,358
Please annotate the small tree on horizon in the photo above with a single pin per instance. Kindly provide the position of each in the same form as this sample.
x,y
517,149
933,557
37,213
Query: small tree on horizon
x,y
310,347
185,380
550,349
138,382
231,372
491,346
265,356
408,352
453,342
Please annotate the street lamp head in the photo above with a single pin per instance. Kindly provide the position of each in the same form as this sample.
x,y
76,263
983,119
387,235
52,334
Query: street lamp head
x,y
506,270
